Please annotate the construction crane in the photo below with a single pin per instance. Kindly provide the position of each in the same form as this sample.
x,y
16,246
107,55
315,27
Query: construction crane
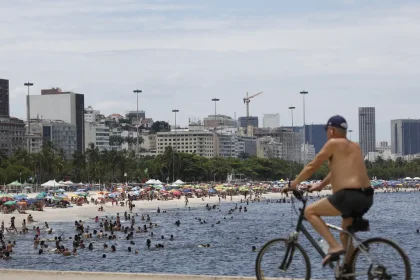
x,y
247,99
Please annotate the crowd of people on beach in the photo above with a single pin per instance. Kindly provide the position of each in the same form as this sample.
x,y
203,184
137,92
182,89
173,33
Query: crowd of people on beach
x,y
108,229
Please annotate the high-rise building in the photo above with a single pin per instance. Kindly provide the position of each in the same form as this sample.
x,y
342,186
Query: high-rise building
x,y
4,98
405,137
12,135
367,129
251,121
271,120
12,130
68,107
315,135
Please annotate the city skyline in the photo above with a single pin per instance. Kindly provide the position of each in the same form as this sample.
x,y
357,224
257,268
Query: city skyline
x,y
182,55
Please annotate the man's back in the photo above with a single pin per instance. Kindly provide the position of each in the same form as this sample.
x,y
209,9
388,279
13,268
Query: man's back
x,y
347,166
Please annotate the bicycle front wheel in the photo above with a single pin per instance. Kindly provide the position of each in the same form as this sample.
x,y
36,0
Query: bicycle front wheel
x,y
280,259
380,259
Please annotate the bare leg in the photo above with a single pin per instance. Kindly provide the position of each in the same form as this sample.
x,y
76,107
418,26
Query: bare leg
x,y
313,214
345,239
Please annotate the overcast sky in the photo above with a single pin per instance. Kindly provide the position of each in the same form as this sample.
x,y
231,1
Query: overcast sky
x,y
183,53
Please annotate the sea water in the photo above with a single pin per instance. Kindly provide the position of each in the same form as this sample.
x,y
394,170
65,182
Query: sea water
x,y
394,216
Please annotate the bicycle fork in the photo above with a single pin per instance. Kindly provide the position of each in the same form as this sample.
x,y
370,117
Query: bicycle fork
x,y
288,256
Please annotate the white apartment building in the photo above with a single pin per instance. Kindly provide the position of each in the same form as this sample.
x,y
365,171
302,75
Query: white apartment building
x,y
271,120
202,143
228,145
91,115
97,134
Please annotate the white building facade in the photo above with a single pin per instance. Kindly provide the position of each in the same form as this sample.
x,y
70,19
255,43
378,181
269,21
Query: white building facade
x,y
98,135
202,143
68,107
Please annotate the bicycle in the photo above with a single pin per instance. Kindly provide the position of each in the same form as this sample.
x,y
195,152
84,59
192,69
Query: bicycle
x,y
373,269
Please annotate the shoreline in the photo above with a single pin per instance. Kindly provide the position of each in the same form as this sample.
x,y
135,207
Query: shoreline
x,y
90,211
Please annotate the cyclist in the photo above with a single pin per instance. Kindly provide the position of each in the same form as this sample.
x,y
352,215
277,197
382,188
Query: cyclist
x,y
352,195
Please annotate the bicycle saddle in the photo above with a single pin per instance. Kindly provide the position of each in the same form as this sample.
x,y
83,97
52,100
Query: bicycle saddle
x,y
359,224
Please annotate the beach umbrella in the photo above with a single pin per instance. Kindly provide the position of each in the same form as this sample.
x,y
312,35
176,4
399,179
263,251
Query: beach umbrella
x,y
186,190
60,191
10,203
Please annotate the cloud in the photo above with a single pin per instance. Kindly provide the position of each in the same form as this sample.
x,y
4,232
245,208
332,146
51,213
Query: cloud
x,y
181,55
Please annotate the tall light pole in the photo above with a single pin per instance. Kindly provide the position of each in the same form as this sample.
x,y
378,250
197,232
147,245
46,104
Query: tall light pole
x,y
137,91
303,93
350,131
291,108
28,112
173,149
215,100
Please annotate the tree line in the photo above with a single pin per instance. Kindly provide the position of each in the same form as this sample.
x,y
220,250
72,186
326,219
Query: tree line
x,y
120,166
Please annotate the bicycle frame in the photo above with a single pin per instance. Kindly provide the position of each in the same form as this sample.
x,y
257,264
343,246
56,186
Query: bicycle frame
x,y
301,228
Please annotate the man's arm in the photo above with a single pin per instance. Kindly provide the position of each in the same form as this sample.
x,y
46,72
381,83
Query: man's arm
x,y
316,163
318,187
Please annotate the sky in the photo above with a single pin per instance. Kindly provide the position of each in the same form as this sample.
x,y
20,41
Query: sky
x,y
181,54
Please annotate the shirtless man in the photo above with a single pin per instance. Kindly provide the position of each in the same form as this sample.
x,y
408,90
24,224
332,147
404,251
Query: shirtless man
x,y
352,195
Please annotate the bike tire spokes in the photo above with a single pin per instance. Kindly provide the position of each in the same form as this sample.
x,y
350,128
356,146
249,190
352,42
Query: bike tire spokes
x,y
280,259
383,260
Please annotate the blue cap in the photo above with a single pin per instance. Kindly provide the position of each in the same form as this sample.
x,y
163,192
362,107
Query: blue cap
x,y
337,121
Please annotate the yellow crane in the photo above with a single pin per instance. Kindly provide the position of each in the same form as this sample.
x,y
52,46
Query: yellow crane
x,y
247,99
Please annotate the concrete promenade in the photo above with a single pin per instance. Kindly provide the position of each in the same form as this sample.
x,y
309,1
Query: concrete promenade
x,y
6,274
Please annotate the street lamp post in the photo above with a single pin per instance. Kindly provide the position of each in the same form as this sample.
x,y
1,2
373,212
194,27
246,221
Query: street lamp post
x,y
215,100
137,91
28,112
173,149
291,108
303,93
350,131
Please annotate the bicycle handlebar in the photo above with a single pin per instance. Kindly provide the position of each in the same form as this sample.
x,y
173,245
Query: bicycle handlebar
x,y
299,194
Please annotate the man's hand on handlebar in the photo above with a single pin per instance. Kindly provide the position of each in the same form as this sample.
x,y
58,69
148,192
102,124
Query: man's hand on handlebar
x,y
290,187
315,188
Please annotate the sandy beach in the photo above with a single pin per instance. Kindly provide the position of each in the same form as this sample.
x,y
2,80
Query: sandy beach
x,y
90,211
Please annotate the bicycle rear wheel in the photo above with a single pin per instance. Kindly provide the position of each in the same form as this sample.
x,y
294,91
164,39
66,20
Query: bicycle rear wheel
x,y
380,259
279,258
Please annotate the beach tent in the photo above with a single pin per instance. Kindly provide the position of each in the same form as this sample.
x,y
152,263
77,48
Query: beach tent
x,y
416,178
407,178
158,182
151,182
52,184
14,184
178,182
69,183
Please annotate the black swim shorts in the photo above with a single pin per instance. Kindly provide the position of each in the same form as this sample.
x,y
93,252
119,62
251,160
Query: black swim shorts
x,y
352,203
